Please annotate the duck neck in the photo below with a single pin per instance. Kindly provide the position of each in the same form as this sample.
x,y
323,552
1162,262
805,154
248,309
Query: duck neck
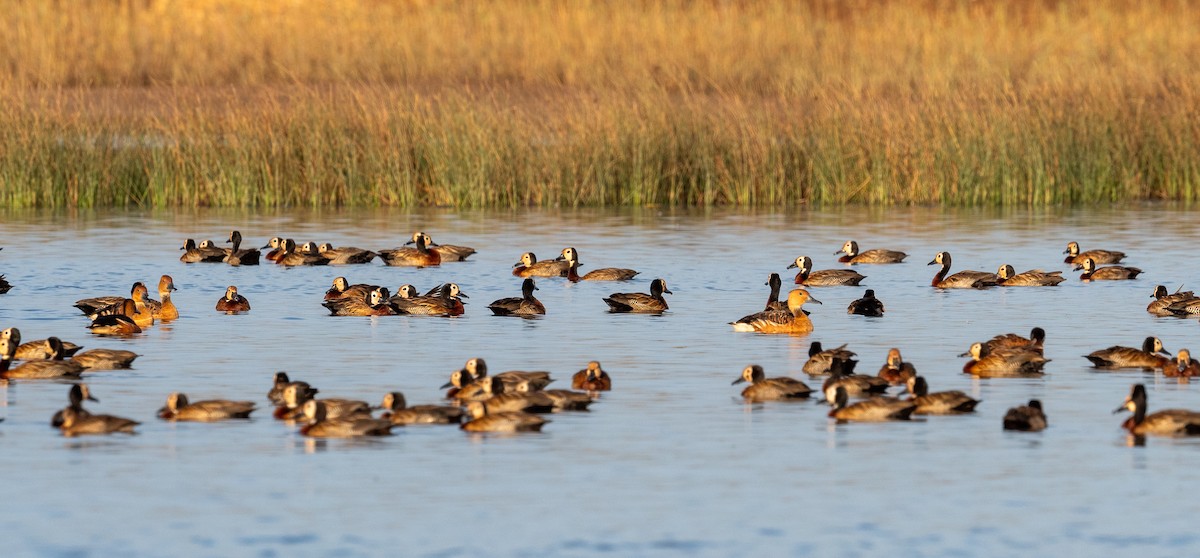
x,y
941,274
573,272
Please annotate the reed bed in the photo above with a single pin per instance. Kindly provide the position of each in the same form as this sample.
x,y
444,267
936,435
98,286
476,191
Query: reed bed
x,y
513,103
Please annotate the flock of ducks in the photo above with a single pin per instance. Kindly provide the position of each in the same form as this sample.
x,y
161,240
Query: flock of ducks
x,y
515,401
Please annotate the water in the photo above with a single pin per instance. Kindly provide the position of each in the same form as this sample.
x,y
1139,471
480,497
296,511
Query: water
x,y
669,463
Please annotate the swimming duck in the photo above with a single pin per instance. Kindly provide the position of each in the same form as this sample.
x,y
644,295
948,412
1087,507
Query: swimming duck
x,y
143,316
825,277
1184,366
877,256
484,420
963,279
442,300
56,367
1184,308
97,305
450,252
856,385
571,256
376,304
321,425
296,395
282,381
1035,342
195,254
178,408
641,303
1170,422
478,370
463,387
342,289
562,399
276,246
940,403
237,256
117,324
232,302
1003,363
164,310
868,305
529,266
592,378
105,359
820,361
792,320
345,255
773,302
292,257
398,412
76,395
875,409
525,305
420,256
1074,256
1026,418
762,388
5,286
1129,357
895,370
1032,278
35,350
500,400
1110,273
1163,301
75,423
406,291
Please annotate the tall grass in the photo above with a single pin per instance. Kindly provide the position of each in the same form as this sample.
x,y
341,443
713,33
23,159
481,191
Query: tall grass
x,y
511,103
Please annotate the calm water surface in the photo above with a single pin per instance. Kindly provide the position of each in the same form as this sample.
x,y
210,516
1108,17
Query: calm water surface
x,y
669,463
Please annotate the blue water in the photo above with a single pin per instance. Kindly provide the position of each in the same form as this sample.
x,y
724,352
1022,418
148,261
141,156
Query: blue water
x,y
670,463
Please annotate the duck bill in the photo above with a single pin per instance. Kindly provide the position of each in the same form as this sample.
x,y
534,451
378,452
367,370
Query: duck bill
x,y
792,266
966,354
815,301
934,262
447,385
737,381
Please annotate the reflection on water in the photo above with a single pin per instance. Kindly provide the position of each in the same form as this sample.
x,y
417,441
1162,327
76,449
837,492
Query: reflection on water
x,y
671,462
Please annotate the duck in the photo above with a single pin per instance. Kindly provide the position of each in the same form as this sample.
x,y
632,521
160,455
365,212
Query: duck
x,y
1110,273
529,266
1032,278
292,257
562,399
76,423
232,302
1003,363
346,255
592,378
499,399
397,411
282,381
1117,356
276,246
194,254
105,359
825,277
525,305
762,388
1163,301
406,291
1035,342
76,395
442,300
1169,422
775,282
321,425
939,403
1074,256
165,309
449,252
54,368
852,256
640,303
484,420
478,370
875,409
963,279
418,256
868,305
36,350
821,361
343,289
96,305
296,395
571,256
237,256
178,408
896,371
1026,418
117,324
463,388
143,316
1184,367
792,320
856,385
1184,308
5,286
376,304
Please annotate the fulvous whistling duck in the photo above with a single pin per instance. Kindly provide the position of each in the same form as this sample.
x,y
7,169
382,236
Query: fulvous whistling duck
x,y
1110,273
1074,256
397,411
232,302
868,305
1184,366
592,378
792,320
117,324
1129,357
420,256
1169,422
237,256
963,279
529,266
1032,278
762,388
1026,418
1003,363
525,305
875,409
91,306
483,420
877,256
825,277
896,371
321,425
178,408
603,274
164,310
1164,301
821,361
641,303
939,403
